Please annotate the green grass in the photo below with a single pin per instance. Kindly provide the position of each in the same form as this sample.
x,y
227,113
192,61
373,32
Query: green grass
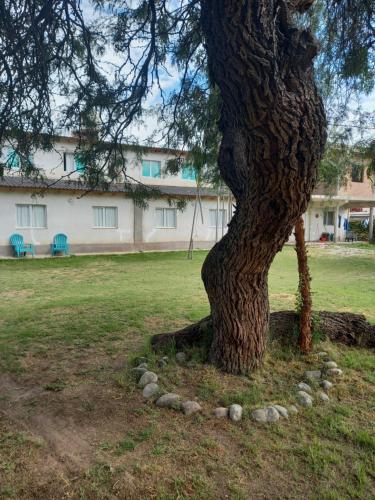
x,y
53,301
71,329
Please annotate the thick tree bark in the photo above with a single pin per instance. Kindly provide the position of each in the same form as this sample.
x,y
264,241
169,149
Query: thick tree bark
x,y
305,312
273,133
346,328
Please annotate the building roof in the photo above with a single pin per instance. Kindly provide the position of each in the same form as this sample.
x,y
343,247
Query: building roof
x,y
19,182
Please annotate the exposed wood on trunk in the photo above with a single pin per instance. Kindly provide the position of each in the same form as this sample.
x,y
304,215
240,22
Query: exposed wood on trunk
x,y
347,328
273,133
305,313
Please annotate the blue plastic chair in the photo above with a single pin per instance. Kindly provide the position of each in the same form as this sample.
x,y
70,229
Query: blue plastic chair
x,y
20,248
60,244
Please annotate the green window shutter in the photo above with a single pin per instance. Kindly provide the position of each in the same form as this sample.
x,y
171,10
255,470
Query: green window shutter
x,y
13,160
146,172
188,173
78,164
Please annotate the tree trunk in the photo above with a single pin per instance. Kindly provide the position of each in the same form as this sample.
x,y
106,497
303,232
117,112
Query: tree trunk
x,y
305,313
273,133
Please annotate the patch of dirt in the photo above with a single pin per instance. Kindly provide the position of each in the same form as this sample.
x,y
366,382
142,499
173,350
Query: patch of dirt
x,y
347,251
17,294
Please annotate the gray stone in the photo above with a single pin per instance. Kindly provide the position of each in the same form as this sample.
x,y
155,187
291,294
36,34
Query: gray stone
x,y
169,400
143,365
334,372
304,387
221,412
150,390
189,407
292,409
147,378
281,410
330,364
181,357
304,398
313,374
322,354
323,397
259,415
235,412
162,364
165,358
272,414
138,372
327,385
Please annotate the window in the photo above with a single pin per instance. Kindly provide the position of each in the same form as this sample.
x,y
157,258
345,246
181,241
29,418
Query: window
x,y
72,163
329,218
105,217
222,218
166,217
151,168
31,216
188,173
357,173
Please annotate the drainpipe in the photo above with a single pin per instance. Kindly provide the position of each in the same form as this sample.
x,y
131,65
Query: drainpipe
x,y
336,223
371,224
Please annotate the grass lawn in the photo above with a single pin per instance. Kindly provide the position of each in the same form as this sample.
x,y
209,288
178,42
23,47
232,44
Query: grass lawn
x,y
74,425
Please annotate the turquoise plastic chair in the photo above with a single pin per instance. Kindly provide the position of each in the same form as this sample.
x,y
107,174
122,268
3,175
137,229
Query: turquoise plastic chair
x,y
60,244
20,248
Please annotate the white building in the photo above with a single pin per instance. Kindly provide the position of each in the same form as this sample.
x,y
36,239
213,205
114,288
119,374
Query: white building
x,y
109,221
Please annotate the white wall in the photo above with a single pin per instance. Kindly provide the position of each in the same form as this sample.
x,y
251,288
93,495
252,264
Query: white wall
x,y
314,223
52,165
67,214
202,231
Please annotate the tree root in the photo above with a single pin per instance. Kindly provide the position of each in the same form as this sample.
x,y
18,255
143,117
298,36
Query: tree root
x,y
346,328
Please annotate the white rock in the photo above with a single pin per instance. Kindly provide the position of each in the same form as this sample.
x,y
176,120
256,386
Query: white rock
x,y
142,365
304,387
304,398
323,397
169,400
221,412
272,414
147,378
330,364
292,409
150,390
322,354
235,413
189,407
334,372
259,415
327,385
313,374
181,357
282,411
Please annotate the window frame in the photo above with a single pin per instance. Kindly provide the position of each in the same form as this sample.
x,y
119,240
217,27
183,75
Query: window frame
x,y
326,217
105,207
30,209
150,169
165,209
77,165
191,170
359,169
221,210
